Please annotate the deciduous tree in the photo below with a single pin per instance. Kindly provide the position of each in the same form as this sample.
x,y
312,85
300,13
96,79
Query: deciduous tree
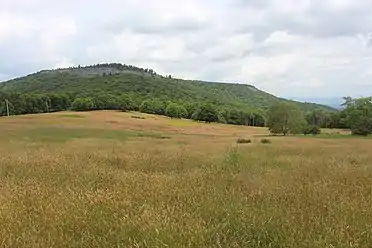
x,y
359,115
285,118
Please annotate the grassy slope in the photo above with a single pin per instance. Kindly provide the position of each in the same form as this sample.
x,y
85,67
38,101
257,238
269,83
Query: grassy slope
x,y
126,187
85,81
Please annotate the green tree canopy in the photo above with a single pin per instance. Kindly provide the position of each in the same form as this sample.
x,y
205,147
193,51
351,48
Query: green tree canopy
x,y
338,120
285,118
207,113
153,106
359,115
105,101
83,104
176,111
125,102
318,117
59,102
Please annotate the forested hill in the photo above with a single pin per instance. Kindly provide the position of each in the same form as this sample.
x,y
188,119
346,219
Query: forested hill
x,y
117,79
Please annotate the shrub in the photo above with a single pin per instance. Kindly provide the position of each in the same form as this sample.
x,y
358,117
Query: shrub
x,y
265,141
360,131
138,117
314,130
243,141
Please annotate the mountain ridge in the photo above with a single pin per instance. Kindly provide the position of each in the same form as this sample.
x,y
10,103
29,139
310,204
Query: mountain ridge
x,y
116,78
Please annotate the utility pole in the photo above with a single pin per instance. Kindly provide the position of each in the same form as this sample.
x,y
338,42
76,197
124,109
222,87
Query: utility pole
x,y
7,106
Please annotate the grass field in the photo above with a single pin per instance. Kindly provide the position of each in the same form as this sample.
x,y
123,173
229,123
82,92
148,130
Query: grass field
x,y
112,179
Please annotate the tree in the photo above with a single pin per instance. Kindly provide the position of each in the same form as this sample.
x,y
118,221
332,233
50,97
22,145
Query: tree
x,y
136,101
112,102
338,120
359,115
318,117
191,108
285,118
35,104
176,111
223,115
125,103
105,102
152,107
207,113
83,104
235,117
59,102
258,119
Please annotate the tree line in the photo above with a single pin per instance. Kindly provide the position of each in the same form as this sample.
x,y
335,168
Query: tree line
x,y
282,118
19,104
286,118
117,66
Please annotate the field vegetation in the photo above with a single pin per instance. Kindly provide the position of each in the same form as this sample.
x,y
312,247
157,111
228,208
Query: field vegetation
x,y
128,179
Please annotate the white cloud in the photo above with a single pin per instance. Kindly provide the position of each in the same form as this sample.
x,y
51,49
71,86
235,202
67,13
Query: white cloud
x,y
13,26
62,63
289,48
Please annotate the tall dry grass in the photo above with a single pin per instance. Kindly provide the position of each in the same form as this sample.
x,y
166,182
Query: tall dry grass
x,y
150,193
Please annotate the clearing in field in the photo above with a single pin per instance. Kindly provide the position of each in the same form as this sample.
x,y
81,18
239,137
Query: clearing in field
x,y
114,179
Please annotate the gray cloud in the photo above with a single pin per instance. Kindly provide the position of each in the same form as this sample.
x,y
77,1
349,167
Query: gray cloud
x,y
289,48
146,26
311,18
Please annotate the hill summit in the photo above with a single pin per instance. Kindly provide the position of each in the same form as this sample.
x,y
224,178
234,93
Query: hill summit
x,y
116,79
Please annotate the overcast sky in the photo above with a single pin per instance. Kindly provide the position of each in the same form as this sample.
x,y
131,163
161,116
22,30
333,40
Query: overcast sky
x,y
302,48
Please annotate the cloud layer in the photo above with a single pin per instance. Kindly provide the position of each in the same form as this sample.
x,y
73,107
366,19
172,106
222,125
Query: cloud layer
x,y
289,48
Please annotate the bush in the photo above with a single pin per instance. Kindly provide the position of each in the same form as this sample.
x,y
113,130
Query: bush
x,y
314,130
138,117
243,141
265,141
360,131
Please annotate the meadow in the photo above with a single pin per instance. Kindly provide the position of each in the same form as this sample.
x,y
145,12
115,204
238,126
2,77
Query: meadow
x,y
115,179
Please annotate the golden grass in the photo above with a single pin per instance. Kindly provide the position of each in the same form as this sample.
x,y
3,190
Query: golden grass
x,y
181,122
196,189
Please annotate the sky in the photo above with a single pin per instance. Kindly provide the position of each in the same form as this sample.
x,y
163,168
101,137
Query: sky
x,y
290,48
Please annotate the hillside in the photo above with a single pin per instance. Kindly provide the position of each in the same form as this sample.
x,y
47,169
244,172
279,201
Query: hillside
x,y
117,79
